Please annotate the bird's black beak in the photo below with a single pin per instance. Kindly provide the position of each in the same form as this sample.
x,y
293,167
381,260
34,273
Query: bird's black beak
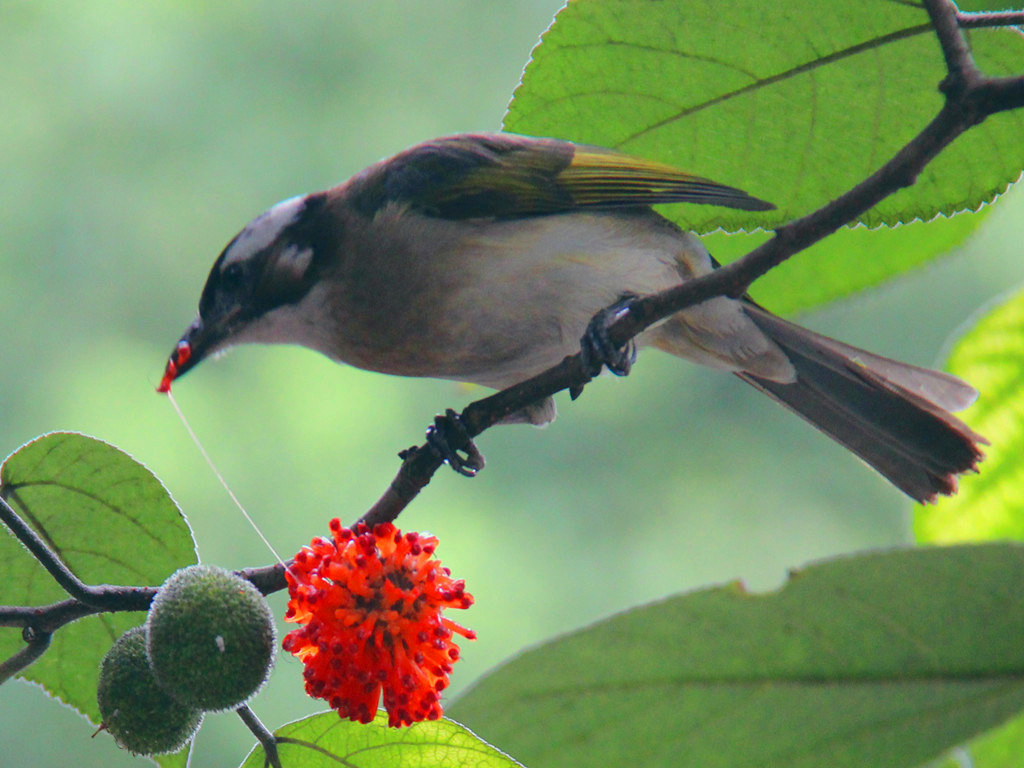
x,y
193,347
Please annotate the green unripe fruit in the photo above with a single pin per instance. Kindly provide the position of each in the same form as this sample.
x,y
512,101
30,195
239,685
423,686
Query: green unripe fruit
x,y
211,637
138,713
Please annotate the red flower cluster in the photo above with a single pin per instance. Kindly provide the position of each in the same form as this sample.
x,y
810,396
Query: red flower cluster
x,y
370,603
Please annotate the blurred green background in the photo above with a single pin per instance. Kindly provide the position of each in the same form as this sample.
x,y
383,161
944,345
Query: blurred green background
x,y
137,138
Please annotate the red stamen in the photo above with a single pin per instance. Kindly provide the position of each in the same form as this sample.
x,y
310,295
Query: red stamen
x,y
375,627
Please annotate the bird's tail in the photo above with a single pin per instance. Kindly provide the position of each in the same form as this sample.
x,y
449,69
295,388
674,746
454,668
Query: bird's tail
x,y
894,416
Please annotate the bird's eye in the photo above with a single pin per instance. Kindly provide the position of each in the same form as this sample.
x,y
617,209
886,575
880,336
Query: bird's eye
x,y
231,277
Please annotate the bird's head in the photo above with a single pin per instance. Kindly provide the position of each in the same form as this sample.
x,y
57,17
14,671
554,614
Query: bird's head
x,y
256,285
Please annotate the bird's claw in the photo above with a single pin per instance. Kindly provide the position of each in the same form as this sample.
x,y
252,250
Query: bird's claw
x,y
597,349
448,430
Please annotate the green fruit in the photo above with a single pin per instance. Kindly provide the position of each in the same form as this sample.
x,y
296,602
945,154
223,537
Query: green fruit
x,y
138,713
211,638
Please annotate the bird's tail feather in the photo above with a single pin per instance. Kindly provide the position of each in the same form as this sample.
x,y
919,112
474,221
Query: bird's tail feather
x,y
894,416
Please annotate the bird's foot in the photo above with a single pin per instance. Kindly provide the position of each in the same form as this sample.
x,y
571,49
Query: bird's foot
x,y
597,349
448,430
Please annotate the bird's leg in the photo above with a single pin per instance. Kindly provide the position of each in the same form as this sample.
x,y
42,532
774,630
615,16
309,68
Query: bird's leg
x,y
448,431
598,351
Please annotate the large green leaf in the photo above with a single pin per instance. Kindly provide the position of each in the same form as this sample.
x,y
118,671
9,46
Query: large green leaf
x,y
989,505
794,102
111,522
881,659
325,740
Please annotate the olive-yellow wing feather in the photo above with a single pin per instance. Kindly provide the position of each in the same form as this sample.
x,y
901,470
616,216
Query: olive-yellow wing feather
x,y
508,176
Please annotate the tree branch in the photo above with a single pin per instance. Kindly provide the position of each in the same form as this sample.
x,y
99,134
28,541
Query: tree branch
x,y
268,579
47,618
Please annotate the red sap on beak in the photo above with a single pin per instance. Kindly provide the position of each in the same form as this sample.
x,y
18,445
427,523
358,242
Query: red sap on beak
x,y
178,357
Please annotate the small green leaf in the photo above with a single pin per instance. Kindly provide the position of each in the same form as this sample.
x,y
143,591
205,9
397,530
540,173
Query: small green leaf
x,y
884,659
177,759
111,522
991,358
795,103
846,262
325,739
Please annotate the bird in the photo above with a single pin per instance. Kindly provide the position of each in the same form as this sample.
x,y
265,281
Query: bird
x,y
483,258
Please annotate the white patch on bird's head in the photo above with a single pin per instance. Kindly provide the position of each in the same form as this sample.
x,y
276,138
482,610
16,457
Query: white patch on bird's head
x,y
293,262
263,230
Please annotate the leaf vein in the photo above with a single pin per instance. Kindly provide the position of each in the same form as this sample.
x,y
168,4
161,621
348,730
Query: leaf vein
x,y
807,67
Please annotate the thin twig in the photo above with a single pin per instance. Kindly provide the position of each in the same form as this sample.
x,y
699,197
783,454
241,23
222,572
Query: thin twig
x,y
266,739
418,466
36,645
46,556
990,19
959,62
268,579
45,618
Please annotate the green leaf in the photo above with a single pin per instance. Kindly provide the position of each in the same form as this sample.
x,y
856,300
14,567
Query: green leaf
x,y
794,103
111,522
325,739
884,659
998,749
991,357
846,262
177,759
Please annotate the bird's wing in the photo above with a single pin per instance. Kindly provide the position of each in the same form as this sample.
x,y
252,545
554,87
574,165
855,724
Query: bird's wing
x,y
509,176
